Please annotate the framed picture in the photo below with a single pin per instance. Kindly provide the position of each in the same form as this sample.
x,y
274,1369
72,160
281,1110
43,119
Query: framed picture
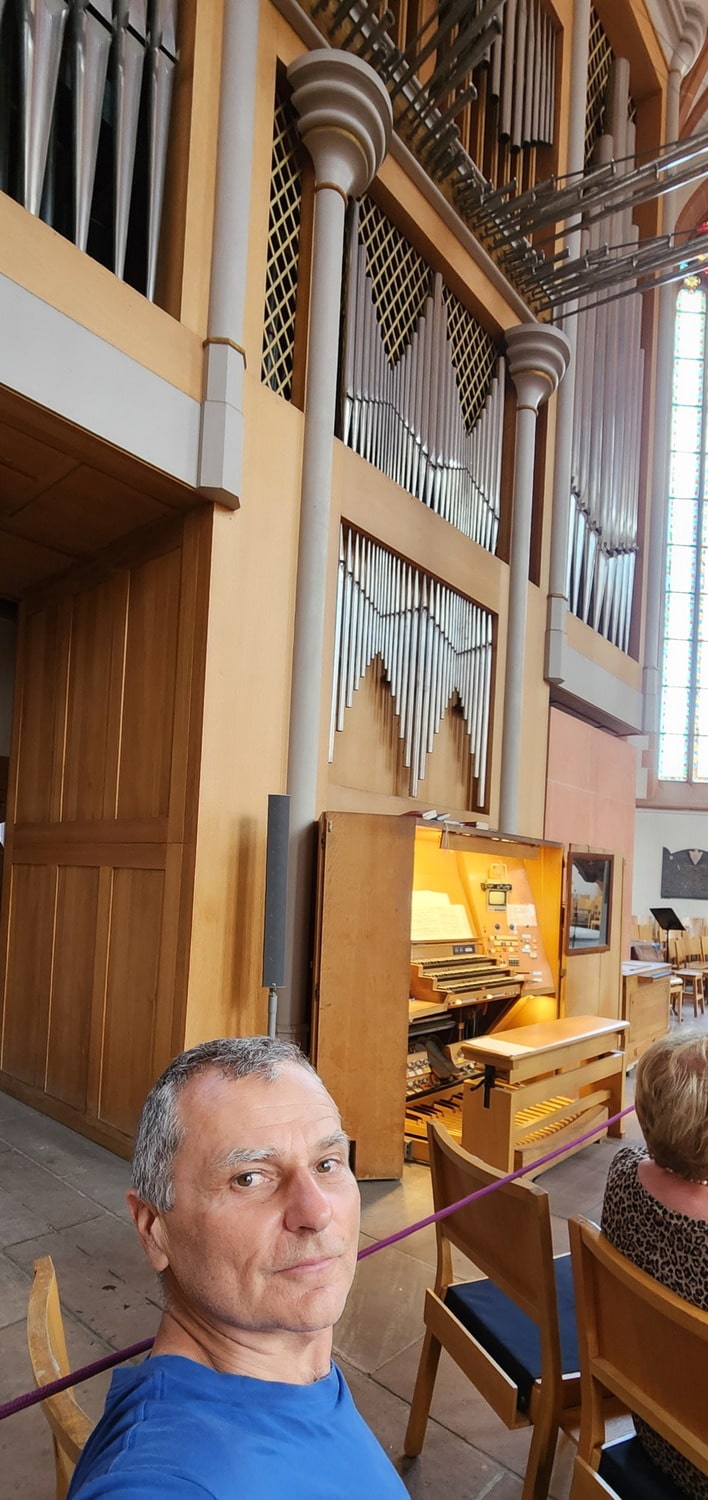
x,y
589,897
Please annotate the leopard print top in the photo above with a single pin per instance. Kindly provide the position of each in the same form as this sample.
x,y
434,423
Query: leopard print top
x,y
673,1248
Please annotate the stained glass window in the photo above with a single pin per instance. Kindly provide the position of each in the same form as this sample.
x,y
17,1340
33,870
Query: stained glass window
x,y
683,722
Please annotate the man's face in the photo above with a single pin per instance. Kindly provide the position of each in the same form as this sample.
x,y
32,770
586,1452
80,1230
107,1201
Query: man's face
x,y
264,1229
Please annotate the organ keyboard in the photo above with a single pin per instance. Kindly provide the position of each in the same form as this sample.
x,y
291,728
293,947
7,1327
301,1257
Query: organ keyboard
x,y
455,975
456,993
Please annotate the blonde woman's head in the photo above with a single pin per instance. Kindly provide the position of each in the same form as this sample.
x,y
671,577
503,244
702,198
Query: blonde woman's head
x,y
671,1099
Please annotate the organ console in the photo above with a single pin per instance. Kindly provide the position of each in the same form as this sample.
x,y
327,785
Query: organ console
x,y
428,939
477,950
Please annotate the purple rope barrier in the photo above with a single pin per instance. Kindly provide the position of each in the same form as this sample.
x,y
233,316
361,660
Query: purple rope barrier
x,y
107,1362
444,1213
31,1398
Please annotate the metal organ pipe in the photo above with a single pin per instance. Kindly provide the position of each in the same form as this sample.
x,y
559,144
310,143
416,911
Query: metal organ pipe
x,y
431,641
91,45
42,26
407,418
94,35
685,54
609,379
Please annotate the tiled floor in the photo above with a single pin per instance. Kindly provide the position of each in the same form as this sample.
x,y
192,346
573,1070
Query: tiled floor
x,y
62,1195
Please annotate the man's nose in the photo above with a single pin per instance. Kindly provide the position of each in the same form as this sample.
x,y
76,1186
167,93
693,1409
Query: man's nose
x,y
308,1205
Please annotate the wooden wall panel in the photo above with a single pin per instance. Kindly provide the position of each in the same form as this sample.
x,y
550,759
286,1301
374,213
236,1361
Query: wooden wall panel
x,y
131,995
41,695
98,911
149,691
32,905
69,1035
94,701
361,980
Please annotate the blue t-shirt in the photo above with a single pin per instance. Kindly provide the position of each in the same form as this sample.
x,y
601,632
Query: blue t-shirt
x,y
176,1429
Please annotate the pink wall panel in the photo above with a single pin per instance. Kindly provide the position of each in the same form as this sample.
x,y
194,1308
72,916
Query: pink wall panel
x,y
590,793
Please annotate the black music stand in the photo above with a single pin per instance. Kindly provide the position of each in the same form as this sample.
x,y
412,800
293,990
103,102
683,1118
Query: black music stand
x,y
666,918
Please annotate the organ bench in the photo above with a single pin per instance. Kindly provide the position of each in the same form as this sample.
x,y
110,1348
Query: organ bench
x,y
539,1087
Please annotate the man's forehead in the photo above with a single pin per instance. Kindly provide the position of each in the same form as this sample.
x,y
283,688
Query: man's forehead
x,y
218,1101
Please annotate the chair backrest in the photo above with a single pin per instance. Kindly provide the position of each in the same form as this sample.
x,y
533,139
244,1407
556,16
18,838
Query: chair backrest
x,y
47,1351
677,948
507,1235
690,946
640,1342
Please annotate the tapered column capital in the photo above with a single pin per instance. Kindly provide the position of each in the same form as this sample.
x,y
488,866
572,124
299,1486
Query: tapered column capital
x,y
538,357
691,39
345,118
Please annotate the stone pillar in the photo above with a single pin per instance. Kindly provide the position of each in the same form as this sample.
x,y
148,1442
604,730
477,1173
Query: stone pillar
x,y
538,358
221,445
685,54
345,122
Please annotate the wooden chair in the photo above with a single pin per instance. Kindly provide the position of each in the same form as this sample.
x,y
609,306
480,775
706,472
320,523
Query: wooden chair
x,y
513,1334
647,1347
69,1424
685,952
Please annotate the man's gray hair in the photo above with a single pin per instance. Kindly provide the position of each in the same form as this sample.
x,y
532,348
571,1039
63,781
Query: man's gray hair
x,y
160,1130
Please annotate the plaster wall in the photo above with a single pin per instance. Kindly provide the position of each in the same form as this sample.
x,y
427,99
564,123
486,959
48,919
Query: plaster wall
x,y
590,793
654,831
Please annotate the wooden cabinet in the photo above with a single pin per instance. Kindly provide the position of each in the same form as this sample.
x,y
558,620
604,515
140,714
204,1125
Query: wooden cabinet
x,y
646,1005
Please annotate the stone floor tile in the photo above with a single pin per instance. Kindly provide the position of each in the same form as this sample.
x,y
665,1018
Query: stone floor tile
x,y
104,1279
14,1291
80,1163
17,1222
448,1467
42,1193
384,1310
13,1109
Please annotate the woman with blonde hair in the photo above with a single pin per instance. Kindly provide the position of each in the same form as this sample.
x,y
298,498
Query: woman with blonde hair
x,y
655,1209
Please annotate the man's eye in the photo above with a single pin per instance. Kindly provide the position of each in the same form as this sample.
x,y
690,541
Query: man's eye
x,y
246,1179
329,1164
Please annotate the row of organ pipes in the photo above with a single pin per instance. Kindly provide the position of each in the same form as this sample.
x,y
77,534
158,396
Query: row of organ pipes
x,y
608,403
406,418
433,644
514,39
107,49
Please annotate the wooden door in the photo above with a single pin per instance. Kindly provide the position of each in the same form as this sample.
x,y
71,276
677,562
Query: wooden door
x,y
361,979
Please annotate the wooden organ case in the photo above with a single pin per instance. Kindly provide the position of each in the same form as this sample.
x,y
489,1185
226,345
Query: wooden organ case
x,y
425,936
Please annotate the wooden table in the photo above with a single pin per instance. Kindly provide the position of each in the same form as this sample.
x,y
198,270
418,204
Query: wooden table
x,y
540,1087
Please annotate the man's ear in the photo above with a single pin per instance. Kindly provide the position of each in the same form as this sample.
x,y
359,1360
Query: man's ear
x,y
151,1229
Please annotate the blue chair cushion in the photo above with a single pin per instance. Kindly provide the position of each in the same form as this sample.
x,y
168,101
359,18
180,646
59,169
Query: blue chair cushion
x,y
628,1469
508,1335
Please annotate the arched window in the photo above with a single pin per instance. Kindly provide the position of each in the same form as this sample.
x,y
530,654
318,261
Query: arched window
x,y
683,723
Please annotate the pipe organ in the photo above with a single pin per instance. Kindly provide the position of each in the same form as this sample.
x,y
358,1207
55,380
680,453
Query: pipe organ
x,y
516,93
472,81
90,62
422,383
609,390
433,644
